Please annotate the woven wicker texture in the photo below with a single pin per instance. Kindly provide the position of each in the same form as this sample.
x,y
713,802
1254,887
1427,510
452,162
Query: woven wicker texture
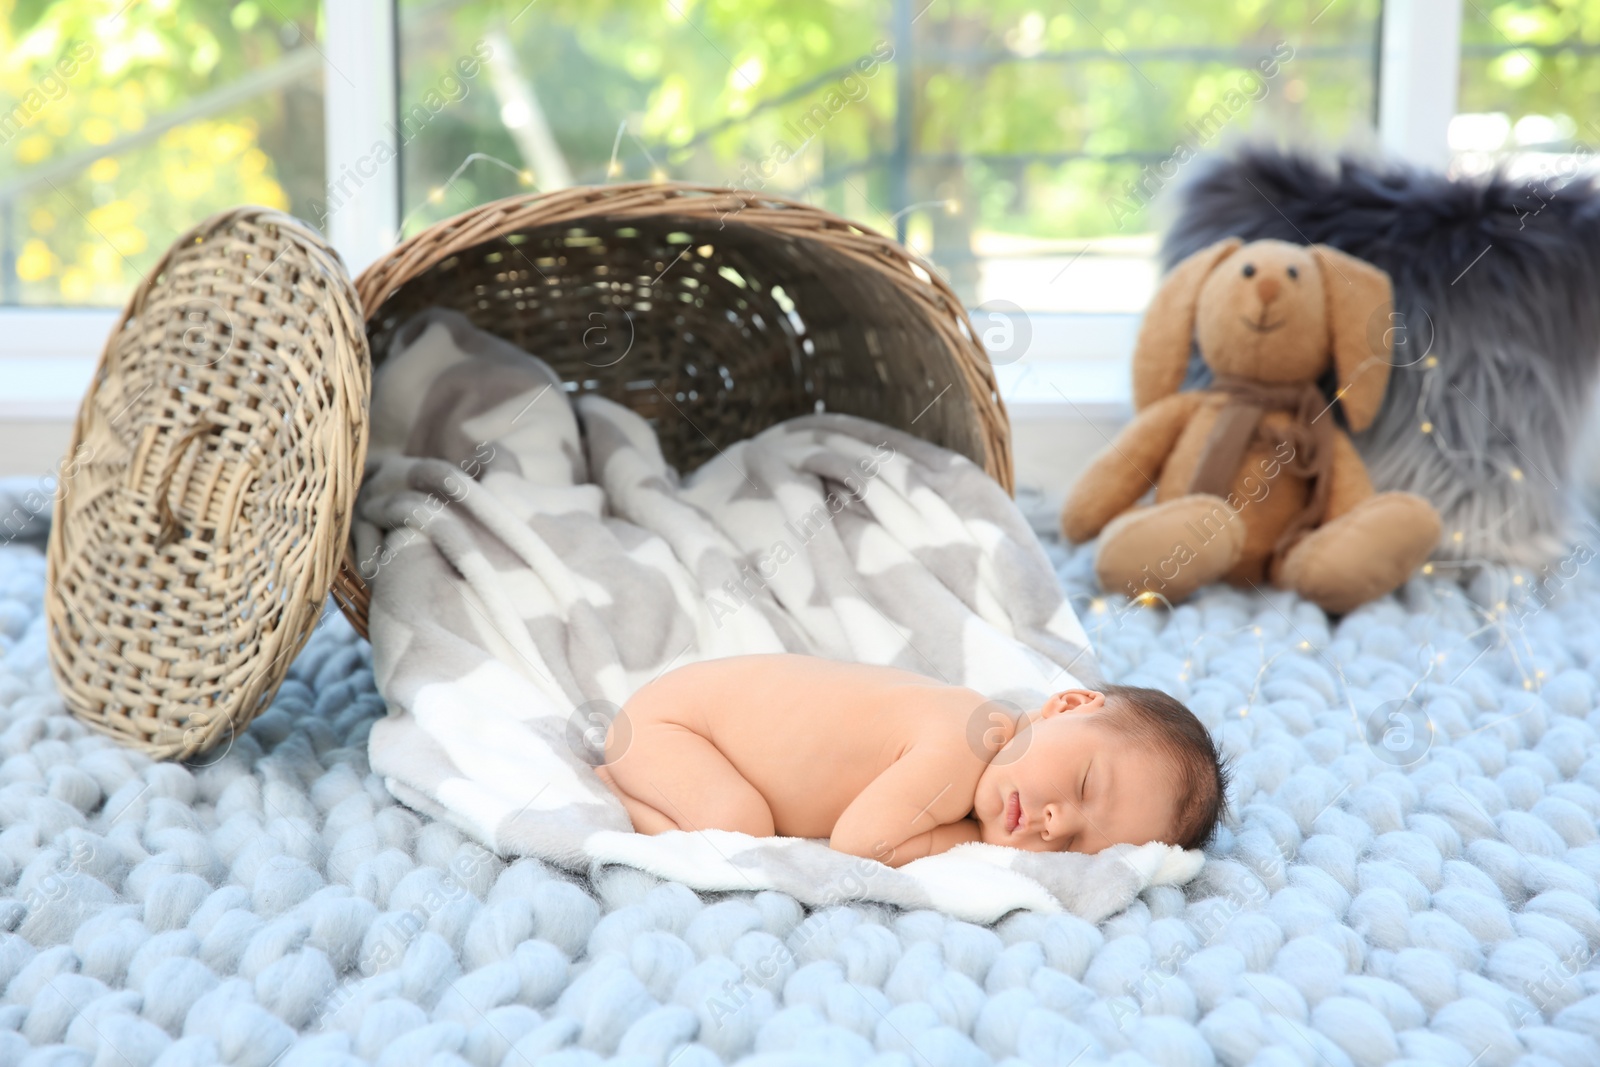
x,y
205,501
714,313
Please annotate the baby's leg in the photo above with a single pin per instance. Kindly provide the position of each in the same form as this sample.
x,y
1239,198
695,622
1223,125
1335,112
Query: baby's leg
x,y
671,778
645,819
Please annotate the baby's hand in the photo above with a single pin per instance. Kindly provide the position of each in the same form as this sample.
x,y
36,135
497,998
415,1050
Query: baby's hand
x,y
909,811
931,842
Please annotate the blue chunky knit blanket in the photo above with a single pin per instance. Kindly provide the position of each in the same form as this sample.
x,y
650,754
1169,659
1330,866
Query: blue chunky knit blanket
x,y
1410,874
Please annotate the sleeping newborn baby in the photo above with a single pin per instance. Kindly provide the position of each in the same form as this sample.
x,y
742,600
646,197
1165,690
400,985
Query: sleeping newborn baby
x,y
894,766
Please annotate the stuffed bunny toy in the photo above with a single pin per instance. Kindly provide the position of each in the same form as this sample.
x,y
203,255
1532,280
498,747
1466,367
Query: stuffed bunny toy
x,y
1254,482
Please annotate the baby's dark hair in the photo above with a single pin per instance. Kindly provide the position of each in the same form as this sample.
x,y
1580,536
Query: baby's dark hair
x,y
1152,717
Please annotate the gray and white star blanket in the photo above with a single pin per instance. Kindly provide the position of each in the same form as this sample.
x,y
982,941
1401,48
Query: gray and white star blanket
x,y
533,561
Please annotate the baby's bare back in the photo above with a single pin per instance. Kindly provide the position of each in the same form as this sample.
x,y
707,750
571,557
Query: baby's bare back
x,y
810,734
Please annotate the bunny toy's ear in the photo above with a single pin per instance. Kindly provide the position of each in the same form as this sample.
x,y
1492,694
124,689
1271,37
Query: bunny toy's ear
x,y
1360,301
1161,355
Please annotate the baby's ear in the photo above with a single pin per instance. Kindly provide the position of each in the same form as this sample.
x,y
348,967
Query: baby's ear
x,y
1080,700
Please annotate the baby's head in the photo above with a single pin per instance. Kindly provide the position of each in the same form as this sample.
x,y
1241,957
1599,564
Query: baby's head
x,y
1094,768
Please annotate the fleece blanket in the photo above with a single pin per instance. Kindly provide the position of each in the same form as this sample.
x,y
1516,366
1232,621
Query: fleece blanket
x,y
534,560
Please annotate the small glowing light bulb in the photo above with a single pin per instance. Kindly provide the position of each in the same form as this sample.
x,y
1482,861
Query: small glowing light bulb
x,y
1516,474
1457,537
1431,361
1427,568
1427,427
525,177
658,175
614,169
436,194
952,207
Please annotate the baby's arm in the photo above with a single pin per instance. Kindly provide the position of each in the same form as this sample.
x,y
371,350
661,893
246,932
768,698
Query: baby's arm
x,y
915,808
932,842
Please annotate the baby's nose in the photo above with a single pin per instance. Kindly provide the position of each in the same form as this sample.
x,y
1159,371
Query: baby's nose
x,y
1268,289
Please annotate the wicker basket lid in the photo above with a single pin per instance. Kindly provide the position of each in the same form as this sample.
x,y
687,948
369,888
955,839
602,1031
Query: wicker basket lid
x,y
205,501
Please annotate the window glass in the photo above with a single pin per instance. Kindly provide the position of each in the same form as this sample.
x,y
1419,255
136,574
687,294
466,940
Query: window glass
x,y
1530,89
128,123
1023,156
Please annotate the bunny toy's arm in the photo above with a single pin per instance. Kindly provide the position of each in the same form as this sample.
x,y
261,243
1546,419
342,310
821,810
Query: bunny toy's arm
x,y
1120,474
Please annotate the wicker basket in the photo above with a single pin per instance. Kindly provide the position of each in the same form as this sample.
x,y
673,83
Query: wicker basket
x,y
712,312
205,506
205,502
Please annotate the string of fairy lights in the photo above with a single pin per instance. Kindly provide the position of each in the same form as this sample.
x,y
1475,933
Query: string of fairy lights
x,y
614,170
1495,620
1500,620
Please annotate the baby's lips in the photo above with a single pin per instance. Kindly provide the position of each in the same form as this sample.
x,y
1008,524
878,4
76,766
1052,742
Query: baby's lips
x,y
1013,814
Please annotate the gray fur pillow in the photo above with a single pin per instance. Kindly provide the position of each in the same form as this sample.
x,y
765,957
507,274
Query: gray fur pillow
x,y
1496,329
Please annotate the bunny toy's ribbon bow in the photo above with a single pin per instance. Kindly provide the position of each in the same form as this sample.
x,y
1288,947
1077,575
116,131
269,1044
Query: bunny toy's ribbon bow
x,y
1309,435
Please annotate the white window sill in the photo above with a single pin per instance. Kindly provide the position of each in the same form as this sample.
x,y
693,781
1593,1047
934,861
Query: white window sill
x,y
1065,396
1075,367
47,359
1073,361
